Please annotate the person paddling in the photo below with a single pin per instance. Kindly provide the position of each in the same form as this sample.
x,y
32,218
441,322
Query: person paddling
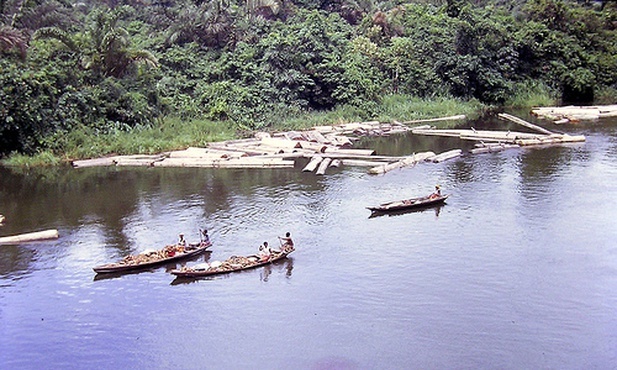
x,y
436,193
286,241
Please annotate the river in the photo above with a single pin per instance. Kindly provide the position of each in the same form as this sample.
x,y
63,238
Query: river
x,y
518,270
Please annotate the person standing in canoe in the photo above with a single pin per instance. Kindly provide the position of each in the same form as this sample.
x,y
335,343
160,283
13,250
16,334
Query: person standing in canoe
x,y
204,235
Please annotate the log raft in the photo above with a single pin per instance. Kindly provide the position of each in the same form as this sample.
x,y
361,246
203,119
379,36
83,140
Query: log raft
x,y
334,145
572,113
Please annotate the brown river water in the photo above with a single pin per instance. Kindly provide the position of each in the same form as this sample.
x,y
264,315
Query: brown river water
x,y
518,270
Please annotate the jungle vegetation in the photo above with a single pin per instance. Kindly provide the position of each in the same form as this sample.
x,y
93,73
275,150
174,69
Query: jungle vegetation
x,y
79,77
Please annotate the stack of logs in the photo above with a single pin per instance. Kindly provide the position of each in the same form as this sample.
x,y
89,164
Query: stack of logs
x,y
561,115
494,141
267,151
332,146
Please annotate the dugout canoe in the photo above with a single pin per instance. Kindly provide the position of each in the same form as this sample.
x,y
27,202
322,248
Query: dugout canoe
x,y
412,203
232,264
170,253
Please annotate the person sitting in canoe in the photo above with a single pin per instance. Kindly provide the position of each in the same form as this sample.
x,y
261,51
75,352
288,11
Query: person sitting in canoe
x,y
436,193
264,252
182,241
286,241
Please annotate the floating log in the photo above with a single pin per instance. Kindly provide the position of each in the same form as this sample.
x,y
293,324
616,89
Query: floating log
x,y
449,118
335,163
361,163
349,152
553,139
30,237
493,148
193,152
95,162
138,160
280,143
321,170
446,155
524,123
316,136
575,113
312,165
483,135
243,162
406,162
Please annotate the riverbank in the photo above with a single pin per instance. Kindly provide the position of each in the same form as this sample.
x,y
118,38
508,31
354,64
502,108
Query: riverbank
x,y
174,133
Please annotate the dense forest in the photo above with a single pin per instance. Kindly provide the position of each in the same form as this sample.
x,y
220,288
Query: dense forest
x,y
120,65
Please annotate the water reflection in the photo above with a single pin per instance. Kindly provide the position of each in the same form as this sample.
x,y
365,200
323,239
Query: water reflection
x,y
15,262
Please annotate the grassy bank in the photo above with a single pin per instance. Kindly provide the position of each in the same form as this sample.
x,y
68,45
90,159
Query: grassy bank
x,y
173,133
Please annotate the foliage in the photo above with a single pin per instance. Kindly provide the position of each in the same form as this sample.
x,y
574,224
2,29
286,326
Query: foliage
x,y
119,69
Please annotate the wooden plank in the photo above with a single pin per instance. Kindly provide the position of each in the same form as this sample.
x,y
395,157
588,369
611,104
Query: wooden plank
x,y
30,237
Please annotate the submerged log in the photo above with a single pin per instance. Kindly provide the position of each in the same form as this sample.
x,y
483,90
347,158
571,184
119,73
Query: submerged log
x,y
321,170
30,237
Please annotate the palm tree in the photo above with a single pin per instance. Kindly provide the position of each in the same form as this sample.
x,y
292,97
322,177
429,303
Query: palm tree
x,y
106,48
13,39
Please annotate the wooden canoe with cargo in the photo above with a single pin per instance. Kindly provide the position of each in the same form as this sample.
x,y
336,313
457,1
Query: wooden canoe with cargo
x,y
232,264
170,253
